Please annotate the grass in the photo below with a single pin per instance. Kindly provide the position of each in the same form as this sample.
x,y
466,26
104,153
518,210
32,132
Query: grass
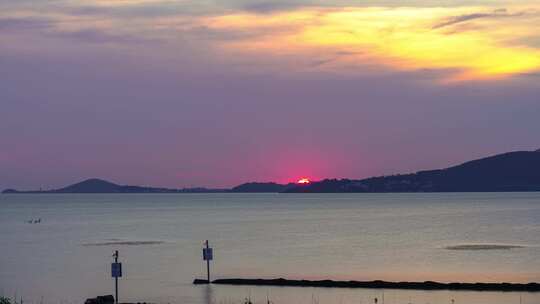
x,y
4,300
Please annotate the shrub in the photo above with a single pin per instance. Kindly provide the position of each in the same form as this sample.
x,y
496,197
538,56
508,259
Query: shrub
x,y
4,300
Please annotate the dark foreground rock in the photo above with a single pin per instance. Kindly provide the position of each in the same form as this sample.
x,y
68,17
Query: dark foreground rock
x,y
108,299
428,285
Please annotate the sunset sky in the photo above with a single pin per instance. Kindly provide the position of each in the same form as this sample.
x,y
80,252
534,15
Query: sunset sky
x,y
216,93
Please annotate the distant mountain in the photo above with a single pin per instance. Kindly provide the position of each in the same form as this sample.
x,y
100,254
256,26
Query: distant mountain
x,y
514,171
261,187
95,185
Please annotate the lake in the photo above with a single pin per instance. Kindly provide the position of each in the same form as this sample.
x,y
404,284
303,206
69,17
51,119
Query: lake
x,y
66,258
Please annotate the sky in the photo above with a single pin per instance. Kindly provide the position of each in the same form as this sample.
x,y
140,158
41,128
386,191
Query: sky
x,y
216,93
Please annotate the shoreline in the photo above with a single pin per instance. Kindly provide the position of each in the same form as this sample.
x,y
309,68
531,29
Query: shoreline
x,y
377,284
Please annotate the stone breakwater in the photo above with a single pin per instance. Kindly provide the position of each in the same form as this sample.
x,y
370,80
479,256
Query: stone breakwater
x,y
427,285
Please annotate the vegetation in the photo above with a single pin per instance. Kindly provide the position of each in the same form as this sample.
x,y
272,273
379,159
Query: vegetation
x,y
514,171
4,300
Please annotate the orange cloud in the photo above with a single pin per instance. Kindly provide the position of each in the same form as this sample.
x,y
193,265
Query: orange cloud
x,y
473,43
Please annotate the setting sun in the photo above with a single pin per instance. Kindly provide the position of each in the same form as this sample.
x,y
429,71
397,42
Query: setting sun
x,y
238,147
303,180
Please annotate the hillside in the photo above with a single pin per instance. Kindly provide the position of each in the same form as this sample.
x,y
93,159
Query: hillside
x,y
95,185
261,187
514,171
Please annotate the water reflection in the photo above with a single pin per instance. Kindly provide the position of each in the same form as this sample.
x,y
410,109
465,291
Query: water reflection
x,y
207,294
305,295
359,237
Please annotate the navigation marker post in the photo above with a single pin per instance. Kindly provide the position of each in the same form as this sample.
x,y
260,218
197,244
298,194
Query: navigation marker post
x,y
208,255
116,272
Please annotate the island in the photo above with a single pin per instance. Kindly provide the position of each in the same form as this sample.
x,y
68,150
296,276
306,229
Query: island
x,y
96,185
507,172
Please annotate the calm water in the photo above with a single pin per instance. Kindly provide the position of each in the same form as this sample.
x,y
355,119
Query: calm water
x,y
338,236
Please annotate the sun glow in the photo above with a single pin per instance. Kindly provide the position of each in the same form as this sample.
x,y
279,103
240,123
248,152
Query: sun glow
x,y
303,181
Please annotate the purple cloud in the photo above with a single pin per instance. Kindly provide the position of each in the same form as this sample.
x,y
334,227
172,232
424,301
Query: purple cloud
x,y
498,13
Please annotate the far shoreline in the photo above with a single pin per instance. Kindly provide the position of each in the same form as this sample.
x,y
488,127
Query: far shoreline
x,y
280,193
